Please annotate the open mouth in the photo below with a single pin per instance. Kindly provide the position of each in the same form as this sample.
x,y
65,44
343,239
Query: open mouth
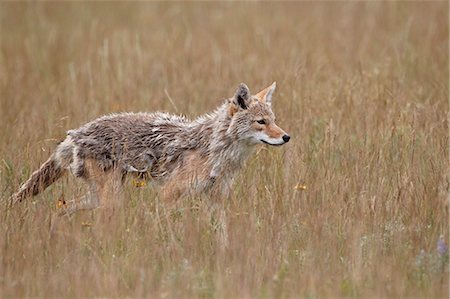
x,y
274,144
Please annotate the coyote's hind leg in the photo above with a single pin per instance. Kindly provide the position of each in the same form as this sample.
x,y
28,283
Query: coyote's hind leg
x,y
103,186
89,201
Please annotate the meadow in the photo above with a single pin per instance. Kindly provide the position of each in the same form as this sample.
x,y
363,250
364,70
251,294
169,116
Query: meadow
x,y
352,207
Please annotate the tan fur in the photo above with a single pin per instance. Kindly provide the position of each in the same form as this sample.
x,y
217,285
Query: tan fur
x,y
108,183
263,93
232,109
192,174
105,189
274,131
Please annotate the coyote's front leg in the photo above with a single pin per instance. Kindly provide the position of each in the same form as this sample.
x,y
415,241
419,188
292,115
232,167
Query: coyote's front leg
x,y
218,216
217,197
213,193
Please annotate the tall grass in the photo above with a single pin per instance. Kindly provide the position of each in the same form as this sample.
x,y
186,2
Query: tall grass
x,y
362,90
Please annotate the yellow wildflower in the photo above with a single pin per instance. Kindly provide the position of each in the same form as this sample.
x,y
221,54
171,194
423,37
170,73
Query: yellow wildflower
x,y
139,183
60,203
300,187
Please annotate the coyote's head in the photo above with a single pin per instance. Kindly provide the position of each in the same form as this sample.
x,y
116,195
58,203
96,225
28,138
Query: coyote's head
x,y
252,118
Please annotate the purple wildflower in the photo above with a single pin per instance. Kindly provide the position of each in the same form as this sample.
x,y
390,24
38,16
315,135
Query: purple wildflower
x,y
442,248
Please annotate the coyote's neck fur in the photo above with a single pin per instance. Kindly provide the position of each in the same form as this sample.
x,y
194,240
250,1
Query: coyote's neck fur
x,y
226,151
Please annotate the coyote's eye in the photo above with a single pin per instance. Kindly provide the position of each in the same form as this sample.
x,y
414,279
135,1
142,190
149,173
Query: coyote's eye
x,y
261,122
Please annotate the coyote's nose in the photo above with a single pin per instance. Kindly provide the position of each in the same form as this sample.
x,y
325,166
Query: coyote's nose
x,y
286,138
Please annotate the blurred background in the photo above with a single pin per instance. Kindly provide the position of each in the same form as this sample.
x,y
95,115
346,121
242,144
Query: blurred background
x,y
353,206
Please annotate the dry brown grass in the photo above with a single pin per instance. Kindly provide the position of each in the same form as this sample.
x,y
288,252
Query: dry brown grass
x,y
362,89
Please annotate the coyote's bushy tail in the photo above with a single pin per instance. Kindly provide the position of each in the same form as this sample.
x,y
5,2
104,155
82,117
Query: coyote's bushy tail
x,y
47,174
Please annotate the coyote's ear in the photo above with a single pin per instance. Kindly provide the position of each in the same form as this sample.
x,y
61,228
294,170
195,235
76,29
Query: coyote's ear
x,y
242,96
265,95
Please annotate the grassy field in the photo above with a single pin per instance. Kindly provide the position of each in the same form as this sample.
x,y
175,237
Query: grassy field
x,y
362,90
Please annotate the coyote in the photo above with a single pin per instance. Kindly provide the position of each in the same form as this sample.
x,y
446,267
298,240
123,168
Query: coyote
x,y
183,157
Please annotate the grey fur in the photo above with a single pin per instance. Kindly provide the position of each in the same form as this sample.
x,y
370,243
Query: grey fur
x,y
242,96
